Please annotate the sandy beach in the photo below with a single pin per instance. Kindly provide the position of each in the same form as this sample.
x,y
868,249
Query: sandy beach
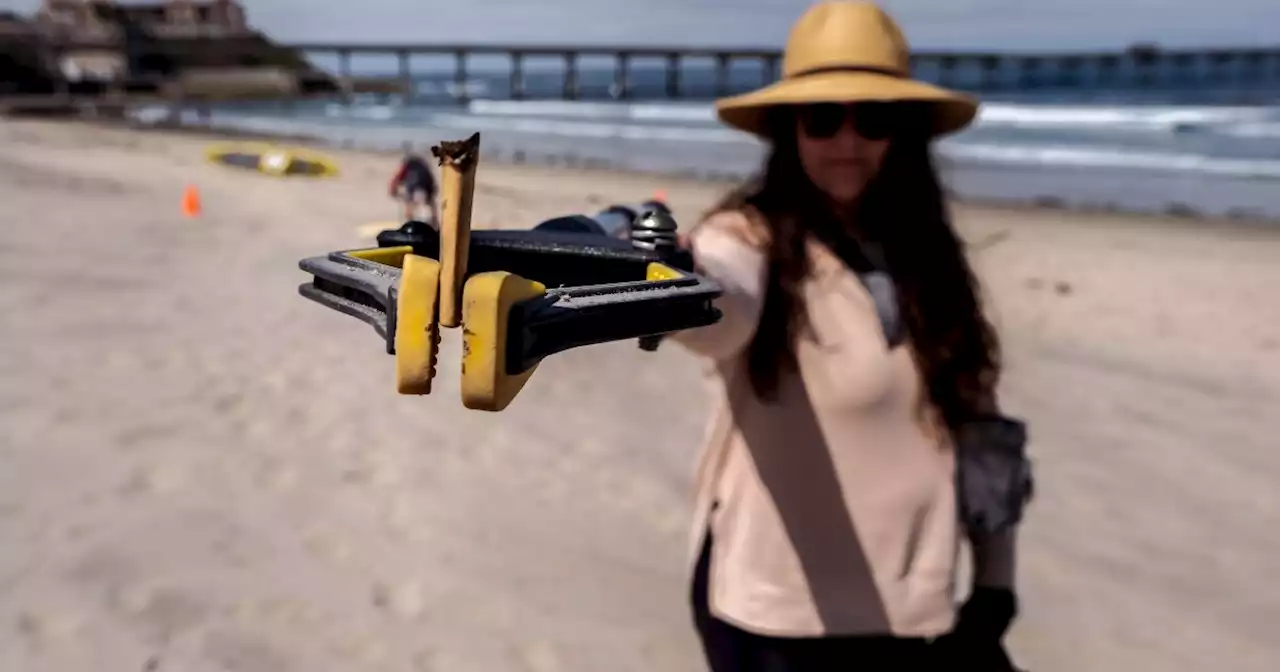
x,y
201,471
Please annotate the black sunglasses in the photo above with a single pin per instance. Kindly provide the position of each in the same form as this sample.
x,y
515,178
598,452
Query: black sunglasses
x,y
873,121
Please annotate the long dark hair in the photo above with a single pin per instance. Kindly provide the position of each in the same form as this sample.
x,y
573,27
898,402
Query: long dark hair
x,y
903,211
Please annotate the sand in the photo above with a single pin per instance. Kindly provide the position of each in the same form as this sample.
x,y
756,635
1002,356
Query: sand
x,y
201,471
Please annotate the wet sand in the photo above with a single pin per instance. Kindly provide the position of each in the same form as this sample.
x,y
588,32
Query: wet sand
x,y
202,471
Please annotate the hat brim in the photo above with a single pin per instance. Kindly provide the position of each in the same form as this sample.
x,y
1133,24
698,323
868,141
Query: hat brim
x,y
949,111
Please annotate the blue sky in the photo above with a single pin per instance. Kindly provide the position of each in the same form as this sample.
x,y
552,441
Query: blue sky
x,y
976,24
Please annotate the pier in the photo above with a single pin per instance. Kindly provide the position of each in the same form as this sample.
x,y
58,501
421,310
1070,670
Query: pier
x,y
1140,67
663,73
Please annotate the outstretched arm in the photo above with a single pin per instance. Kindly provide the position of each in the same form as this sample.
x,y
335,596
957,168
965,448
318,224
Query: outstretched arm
x,y
724,255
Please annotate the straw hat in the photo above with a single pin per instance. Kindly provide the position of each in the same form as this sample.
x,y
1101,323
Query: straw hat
x,y
846,52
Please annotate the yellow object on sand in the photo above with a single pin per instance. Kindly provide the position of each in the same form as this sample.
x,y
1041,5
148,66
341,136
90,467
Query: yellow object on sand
x,y
273,160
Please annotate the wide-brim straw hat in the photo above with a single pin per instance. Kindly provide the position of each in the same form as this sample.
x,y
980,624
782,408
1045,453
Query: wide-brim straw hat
x,y
847,52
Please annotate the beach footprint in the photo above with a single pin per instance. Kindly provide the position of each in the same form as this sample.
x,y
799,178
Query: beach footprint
x,y
539,656
162,612
277,477
244,652
1060,287
404,600
362,649
156,478
48,626
329,546
372,469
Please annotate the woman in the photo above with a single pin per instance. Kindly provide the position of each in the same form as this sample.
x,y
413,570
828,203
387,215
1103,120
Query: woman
x,y
858,380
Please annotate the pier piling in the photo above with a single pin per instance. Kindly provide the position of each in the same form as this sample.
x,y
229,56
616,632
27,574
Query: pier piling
x,y
1030,69
516,87
722,74
947,71
622,76
407,84
461,91
772,65
344,74
570,75
990,66
673,75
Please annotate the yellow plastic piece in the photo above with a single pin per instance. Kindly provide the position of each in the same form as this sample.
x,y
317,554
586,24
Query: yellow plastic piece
x,y
389,256
487,299
457,188
417,336
272,159
656,271
275,162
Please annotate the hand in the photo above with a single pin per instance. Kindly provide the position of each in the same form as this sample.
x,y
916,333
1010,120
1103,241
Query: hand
x,y
988,612
976,642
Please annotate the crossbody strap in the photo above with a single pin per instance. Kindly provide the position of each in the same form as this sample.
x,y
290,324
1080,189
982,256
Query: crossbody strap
x,y
872,271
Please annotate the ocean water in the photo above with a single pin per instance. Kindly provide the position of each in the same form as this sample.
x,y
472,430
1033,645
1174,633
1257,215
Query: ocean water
x,y
1185,148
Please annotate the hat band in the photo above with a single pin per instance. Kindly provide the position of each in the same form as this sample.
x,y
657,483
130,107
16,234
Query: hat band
x,y
848,68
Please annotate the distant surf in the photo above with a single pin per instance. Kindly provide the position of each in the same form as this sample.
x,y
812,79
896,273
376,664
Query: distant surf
x,y
1131,148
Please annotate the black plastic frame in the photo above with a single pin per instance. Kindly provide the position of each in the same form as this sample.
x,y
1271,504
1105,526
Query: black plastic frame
x,y
597,289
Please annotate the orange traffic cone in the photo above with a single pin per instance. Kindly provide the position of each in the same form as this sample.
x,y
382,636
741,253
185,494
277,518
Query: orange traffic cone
x,y
191,202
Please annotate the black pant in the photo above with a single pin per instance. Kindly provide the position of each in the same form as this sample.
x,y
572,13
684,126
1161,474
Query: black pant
x,y
732,649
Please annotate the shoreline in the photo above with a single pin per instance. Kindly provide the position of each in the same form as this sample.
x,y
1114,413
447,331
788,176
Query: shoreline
x,y
1173,212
